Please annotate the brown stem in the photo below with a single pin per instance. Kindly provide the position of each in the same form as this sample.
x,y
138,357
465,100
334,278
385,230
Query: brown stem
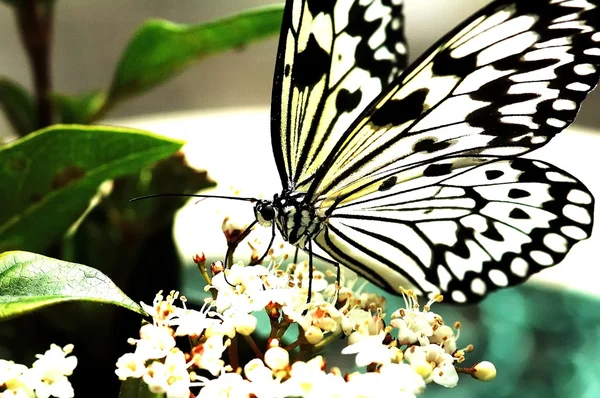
x,y
232,350
253,346
35,20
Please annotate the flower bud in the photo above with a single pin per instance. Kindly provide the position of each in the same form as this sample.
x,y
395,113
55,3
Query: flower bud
x,y
313,334
245,324
277,358
484,371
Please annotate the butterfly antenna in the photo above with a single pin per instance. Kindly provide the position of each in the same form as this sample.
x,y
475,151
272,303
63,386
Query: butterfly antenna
x,y
160,195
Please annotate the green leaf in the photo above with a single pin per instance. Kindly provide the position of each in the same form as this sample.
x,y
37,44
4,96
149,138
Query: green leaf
x,y
30,281
160,49
136,388
18,106
78,109
49,177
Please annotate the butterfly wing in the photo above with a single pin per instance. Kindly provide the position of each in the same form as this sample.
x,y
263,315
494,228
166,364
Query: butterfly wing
x,y
482,227
501,84
334,58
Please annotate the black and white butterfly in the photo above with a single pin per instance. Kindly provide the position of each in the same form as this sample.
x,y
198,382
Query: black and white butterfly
x,y
412,177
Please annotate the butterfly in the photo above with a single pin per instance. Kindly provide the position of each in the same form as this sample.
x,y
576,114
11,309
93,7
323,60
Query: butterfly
x,y
411,177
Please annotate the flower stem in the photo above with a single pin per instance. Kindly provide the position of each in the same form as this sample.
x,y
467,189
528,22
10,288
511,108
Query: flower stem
x,y
253,346
35,21
232,350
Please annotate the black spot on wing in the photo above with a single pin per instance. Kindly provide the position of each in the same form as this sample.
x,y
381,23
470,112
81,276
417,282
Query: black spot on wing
x,y
396,112
492,233
388,183
516,193
493,174
318,6
518,214
347,101
430,145
286,71
311,65
436,170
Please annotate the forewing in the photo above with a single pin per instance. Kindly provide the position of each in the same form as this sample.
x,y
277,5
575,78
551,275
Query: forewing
x,y
481,228
334,58
501,84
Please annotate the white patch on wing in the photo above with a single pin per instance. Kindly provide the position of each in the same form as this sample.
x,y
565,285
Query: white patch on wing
x,y
529,106
323,31
577,214
580,197
474,262
498,277
555,242
538,218
505,48
573,232
343,57
526,121
480,25
452,110
494,35
542,258
440,232
559,54
474,80
564,105
519,267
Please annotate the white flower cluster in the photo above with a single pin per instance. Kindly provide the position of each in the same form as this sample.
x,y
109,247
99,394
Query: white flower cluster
x,y
416,347
47,377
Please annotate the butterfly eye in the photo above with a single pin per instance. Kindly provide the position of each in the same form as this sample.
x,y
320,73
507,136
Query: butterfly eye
x,y
264,212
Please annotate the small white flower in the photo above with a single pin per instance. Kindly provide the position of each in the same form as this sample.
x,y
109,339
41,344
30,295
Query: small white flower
x,y
370,349
170,377
130,365
413,324
10,371
433,363
245,324
17,380
162,309
226,385
155,341
403,377
193,323
208,355
444,337
307,379
257,372
52,369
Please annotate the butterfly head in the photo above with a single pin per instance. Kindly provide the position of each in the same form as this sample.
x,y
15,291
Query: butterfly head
x,y
264,212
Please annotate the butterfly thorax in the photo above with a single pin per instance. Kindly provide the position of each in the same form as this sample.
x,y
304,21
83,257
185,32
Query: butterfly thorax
x,y
296,219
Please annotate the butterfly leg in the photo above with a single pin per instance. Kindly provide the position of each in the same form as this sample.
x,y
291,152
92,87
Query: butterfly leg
x,y
310,274
338,277
260,260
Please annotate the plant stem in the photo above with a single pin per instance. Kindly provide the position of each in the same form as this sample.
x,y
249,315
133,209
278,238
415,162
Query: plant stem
x,y
35,20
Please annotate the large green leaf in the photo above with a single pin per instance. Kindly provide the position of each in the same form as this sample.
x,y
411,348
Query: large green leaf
x,y
18,106
30,281
48,177
160,49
